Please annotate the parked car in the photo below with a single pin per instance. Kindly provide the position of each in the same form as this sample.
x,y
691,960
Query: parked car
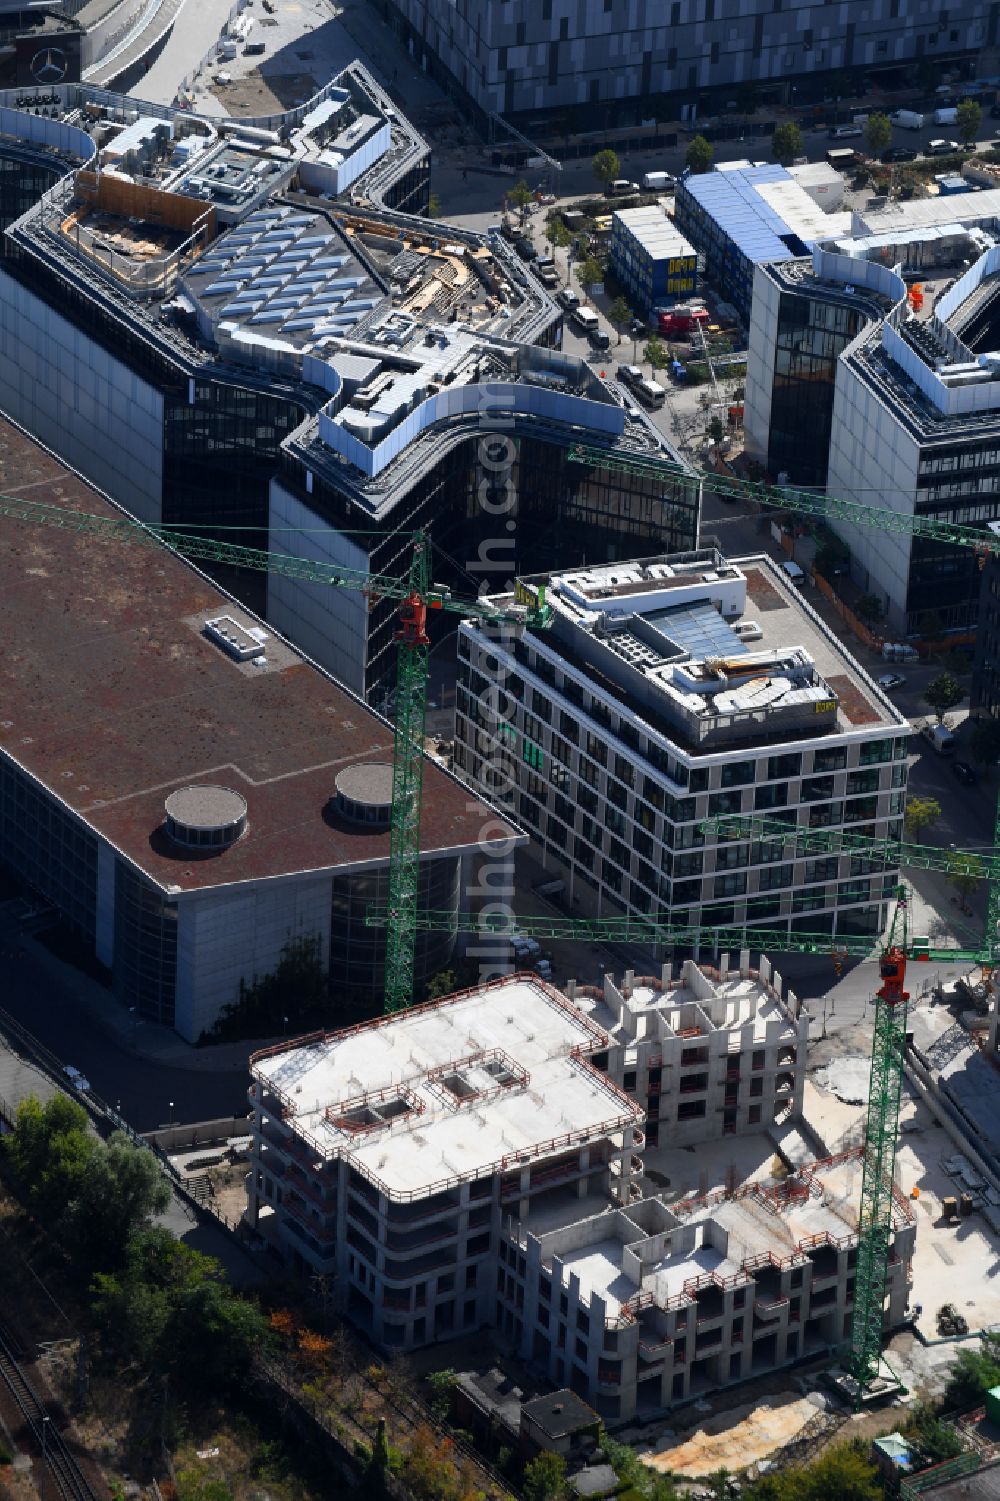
x,y
964,773
899,154
568,299
222,77
890,680
940,147
76,1078
599,339
845,132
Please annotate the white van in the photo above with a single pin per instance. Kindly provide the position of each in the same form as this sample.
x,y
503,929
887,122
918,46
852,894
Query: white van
x,y
794,572
650,393
939,738
585,319
659,182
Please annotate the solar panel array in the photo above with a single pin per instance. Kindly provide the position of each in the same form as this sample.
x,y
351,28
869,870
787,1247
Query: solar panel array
x,y
698,629
281,271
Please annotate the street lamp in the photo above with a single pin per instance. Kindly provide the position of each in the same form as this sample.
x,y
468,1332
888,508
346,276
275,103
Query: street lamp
x,y
131,1012
45,1433
170,1118
284,1021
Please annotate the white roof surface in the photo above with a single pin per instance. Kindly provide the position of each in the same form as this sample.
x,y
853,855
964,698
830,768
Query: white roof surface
x,y
655,232
523,1099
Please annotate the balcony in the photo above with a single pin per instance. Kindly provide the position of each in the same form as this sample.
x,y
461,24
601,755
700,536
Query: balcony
x,y
768,1309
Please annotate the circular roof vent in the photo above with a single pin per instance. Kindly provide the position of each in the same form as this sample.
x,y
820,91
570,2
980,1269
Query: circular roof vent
x,y
364,794
205,817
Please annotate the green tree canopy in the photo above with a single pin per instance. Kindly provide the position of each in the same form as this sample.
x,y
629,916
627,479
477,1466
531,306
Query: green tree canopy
x,y
606,166
973,1374
120,1192
590,273
965,872
520,195
619,315
842,1473
878,133
656,354
869,608
969,119
943,693
49,1152
786,143
172,1306
544,1478
700,154
921,813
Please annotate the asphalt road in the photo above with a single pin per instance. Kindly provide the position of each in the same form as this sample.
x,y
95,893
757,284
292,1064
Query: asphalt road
x,y
150,1094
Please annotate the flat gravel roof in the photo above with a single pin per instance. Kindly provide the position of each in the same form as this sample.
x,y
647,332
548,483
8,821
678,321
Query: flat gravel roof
x,y
112,697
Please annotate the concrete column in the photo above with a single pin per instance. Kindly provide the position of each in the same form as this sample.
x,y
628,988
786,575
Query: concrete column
x,y
581,1187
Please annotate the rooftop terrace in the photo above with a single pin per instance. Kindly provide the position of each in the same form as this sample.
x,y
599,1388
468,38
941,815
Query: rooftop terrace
x,y
718,650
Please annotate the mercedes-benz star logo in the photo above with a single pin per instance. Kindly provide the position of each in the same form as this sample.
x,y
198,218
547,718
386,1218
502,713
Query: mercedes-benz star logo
x,y
50,65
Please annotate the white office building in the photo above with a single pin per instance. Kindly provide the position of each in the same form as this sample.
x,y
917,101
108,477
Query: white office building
x,y
670,691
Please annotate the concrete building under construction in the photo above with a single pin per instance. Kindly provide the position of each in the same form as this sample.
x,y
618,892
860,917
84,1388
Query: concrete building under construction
x,y
482,1162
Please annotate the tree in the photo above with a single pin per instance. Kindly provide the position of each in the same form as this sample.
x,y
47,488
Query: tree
x,y
619,315
295,994
973,1374
171,1306
442,1385
878,133
936,1439
590,273
969,118
869,608
442,983
984,742
921,813
520,196
49,1152
943,693
656,354
841,1473
120,1192
433,206
544,1478
715,429
965,873
786,143
700,154
606,167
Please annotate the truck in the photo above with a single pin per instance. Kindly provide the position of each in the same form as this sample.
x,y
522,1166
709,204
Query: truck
x,y
586,319
946,116
682,319
842,158
907,119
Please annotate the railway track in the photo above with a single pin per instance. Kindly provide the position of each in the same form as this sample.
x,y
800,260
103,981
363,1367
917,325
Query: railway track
x,y
69,1479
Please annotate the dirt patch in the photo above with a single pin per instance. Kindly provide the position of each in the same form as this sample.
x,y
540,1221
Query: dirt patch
x,y
257,94
853,703
764,595
740,1437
